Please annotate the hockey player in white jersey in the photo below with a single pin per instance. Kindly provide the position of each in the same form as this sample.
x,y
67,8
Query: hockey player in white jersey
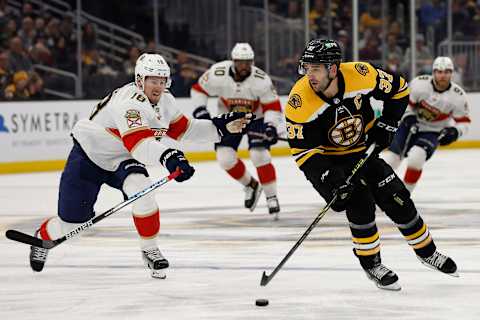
x,y
122,135
241,86
438,114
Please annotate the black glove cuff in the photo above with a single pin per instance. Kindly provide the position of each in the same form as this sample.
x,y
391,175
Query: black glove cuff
x,y
167,154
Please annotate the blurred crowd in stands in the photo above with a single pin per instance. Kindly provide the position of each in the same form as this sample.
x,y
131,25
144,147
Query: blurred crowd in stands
x,y
32,40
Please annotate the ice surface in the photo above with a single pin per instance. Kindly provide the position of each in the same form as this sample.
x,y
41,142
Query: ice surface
x,y
218,251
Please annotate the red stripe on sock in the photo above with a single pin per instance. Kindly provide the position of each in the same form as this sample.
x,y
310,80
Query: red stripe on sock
x,y
43,231
148,226
266,173
238,170
412,175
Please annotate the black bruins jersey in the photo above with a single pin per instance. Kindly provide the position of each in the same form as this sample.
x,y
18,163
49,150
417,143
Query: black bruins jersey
x,y
317,125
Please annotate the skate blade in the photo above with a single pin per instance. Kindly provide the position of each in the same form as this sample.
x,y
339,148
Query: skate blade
x,y
276,217
158,274
391,287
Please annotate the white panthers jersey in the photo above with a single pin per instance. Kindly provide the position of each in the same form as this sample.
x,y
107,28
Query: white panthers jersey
x,y
436,110
125,125
254,94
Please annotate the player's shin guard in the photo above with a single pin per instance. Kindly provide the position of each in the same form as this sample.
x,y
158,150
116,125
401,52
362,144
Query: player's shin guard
x,y
366,243
419,238
268,179
417,156
411,178
239,172
148,227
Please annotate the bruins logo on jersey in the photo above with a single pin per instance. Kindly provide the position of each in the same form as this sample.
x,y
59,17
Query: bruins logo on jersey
x,y
295,101
346,132
361,68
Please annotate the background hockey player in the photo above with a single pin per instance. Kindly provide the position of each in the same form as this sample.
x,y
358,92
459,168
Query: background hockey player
x,y
240,86
330,123
438,114
122,135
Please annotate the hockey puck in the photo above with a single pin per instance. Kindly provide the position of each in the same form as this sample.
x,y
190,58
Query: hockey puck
x,y
261,302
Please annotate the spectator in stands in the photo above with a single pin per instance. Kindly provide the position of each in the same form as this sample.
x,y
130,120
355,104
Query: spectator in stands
x,y
294,13
52,32
5,73
95,64
372,18
129,65
35,87
431,13
7,33
393,62
18,57
391,47
17,90
64,57
41,54
423,57
27,33
396,29
27,10
89,37
183,80
67,30
40,28
371,49
318,18
344,40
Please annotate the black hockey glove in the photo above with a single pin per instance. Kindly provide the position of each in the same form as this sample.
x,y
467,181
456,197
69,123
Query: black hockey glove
x,y
201,113
173,159
232,123
271,133
447,136
382,133
409,120
334,180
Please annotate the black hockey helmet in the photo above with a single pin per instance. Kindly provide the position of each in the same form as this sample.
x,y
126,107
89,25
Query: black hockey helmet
x,y
323,51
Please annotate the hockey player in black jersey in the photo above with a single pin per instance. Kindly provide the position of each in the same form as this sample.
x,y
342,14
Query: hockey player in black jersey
x,y
330,123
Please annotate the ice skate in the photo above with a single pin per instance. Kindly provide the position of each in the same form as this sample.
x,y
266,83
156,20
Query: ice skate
x,y
38,256
440,262
383,277
156,262
273,206
252,194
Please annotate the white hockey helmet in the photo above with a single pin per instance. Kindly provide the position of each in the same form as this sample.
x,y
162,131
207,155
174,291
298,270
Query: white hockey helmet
x,y
242,51
442,63
151,64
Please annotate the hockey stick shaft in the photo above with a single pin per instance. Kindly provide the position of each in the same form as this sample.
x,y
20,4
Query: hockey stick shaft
x,y
267,278
264,136
49,244
413,131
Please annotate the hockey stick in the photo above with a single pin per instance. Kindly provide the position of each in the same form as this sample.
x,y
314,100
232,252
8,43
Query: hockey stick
x,y
267,278
411,132
49,244
264,136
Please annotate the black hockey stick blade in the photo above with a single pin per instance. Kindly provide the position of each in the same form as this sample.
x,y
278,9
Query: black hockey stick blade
x,y
265,279
28,239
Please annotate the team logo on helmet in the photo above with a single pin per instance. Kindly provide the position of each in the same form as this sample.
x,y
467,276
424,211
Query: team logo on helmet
x,y
133,118
346,132
361,68
295,101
